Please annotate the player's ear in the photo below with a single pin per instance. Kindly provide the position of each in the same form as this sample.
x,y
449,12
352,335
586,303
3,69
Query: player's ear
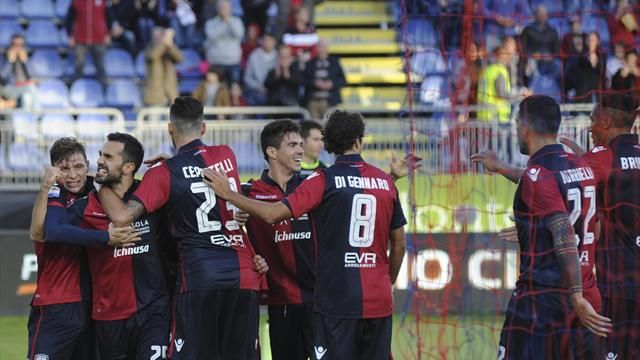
x,y
170,128
271,152
203,128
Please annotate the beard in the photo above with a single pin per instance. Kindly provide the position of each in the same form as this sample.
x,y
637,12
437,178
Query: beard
x,y
103,177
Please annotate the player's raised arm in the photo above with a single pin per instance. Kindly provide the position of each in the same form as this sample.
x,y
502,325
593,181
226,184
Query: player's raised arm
x,y
400,168
491,162
120,213
268,212
566,251
396,252
39,211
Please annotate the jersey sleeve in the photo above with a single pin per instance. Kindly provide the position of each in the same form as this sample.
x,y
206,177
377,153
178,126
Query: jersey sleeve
x,y
307,196
541,193
153,191
57,196
598,159
59,229
398,219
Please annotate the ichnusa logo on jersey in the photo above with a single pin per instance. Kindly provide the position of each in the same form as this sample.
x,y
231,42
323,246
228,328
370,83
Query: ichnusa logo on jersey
x,y
359,260
130,250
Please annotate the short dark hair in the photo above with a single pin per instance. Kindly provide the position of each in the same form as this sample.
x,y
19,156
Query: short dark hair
x,y
186,114
64,148
620,107
307,125
541,113
342,130
273,133
215,69
132,152
630,52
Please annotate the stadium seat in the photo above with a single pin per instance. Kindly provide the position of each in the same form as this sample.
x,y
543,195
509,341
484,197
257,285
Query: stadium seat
x,y
89,66
187,86
362,41
351,13
428,62
190,65
420,32
597,24
25,126
86,93
41,9
93,126
236,8
141,67
8,27
46,63
434,90
123,94
43,33
554,7
545,85
92,149
118,63
9,9
560,24
391,98
250,154
55,126
53,93
26,157
62,8
373,70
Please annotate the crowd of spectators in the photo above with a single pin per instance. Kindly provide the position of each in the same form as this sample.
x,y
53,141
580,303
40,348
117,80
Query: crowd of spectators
x,y
254,59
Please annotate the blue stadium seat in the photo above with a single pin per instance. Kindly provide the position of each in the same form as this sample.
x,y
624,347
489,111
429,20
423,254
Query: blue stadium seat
x,y
45,63
55,126
118,63
250,154
141,67
123,94
190,65
62,8
187,86
560,24
428,62
8,27
421,32
93,126
26,157
41,9
553,6
25,125
43,33
599,25
545,85
86,93
89,66
9,9
53,93
92,150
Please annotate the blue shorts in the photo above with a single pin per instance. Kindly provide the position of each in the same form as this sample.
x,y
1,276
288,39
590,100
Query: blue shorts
x,y
352,339
624,341
60,331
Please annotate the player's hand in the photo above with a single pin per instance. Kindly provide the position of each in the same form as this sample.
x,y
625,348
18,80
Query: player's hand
x,y
156,159
261,264
51,175
489,159
509,234
218,181
400,167
577,149
124,236
241,217
593,321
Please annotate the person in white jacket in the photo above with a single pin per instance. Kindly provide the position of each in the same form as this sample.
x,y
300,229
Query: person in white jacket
x,y
260,62
224,35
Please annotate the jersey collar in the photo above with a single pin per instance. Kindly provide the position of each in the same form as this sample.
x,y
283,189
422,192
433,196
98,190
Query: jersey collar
x,y
291,184
624,138
546,150
192,145
351,158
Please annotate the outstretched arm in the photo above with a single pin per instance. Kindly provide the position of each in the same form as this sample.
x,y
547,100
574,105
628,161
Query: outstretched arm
x,y
491,162
401,167
566,251
120,213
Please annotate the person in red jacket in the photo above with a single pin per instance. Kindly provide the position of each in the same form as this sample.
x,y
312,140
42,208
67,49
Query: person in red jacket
x,y
86,25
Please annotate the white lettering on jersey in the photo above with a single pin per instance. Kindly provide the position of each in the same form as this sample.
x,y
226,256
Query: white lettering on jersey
x,y
192,172
358,182
119,251
630,162
576,175
286,236
359,260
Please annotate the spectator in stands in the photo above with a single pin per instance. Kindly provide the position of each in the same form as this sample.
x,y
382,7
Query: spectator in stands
x,y
161,57
87,27
237,99
502,19
624,24
573,43
467,74
281,21
14,76
224,35
183,21
626,78
283,82
302,36
145,18
586,78
540,43
615,62
323,77
213,91
250,43
121,24
495,92
255,13
261,61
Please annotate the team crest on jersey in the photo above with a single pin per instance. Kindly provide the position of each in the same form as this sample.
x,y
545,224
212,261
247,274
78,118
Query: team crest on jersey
x,y
54,191
533,174
597,149
41,357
